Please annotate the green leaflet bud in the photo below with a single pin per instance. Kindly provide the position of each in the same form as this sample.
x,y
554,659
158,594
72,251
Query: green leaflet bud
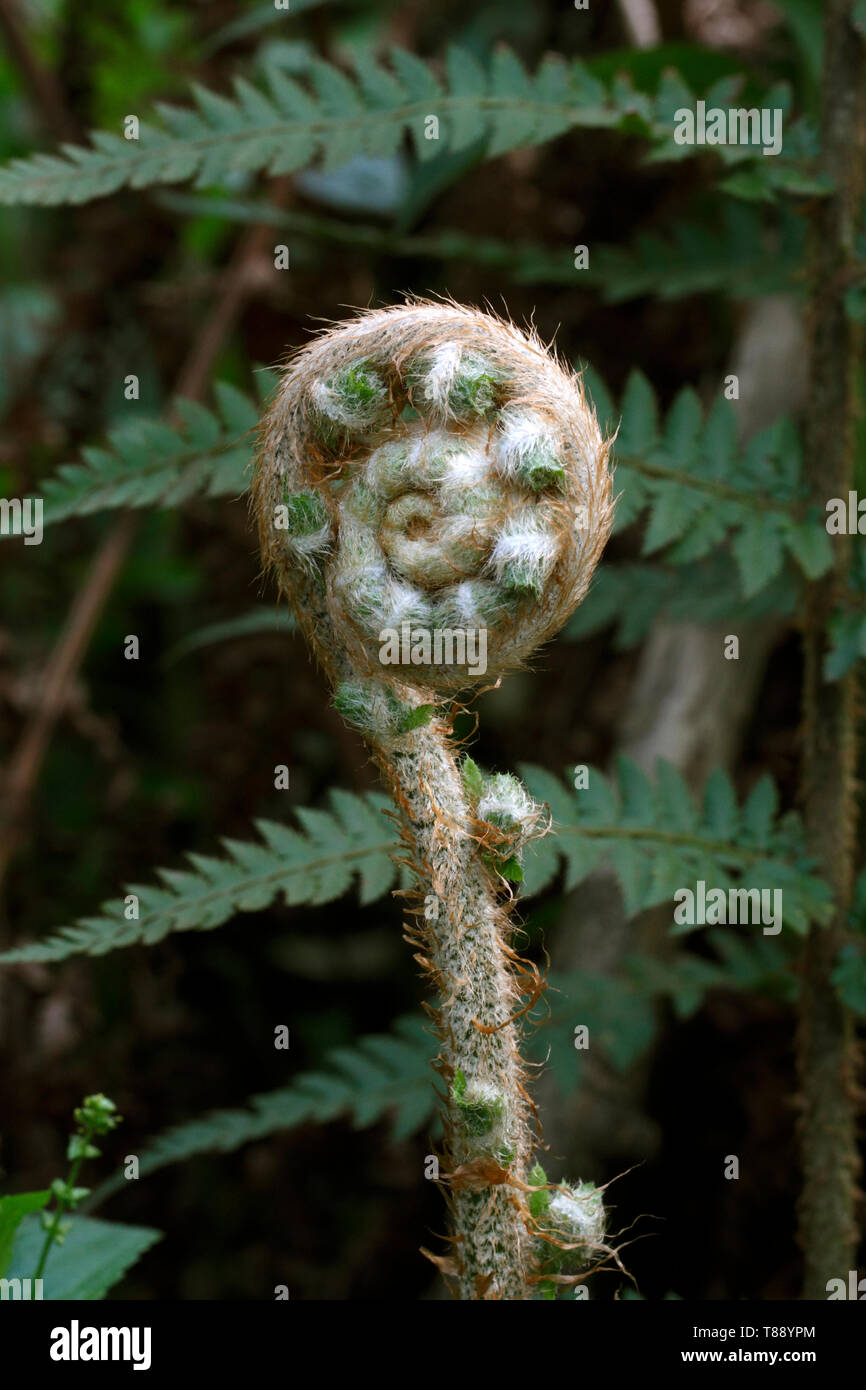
x,y
526,450
363,503
389,467
480,1106
304,519
577,1214
569,1223
506,803
354,399
539,1201
454,382
473,779
525,553
475,603
306,513
376,710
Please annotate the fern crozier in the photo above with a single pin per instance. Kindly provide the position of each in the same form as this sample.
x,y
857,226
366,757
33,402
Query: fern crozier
x,y
447,480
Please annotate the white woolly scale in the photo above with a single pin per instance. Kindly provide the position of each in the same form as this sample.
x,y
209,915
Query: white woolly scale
x,y
312,547
441,375
525,548
579,1213
520,434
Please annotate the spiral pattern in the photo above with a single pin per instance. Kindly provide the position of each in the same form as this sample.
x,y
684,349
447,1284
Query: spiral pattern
x,y
430,469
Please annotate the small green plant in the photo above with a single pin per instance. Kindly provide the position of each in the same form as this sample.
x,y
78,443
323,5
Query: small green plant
x,y
95,1116
55,1256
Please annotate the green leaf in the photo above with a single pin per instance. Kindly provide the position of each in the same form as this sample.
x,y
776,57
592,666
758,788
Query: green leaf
x,y
538,1201
760,810
473,779
848,643
418,717
511,870
638,431
810,544
13,1209
758,552
93,1258
721,816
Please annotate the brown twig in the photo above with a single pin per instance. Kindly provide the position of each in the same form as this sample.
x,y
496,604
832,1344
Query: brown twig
x,y
71,646
45,91
827,1048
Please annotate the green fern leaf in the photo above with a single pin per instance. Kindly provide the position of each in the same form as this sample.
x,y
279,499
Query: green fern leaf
x,y
287,126
381,1075
148,463
698,489
314,865
635,596
659,841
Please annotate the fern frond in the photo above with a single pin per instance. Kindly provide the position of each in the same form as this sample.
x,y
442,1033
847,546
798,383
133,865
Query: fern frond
x,y
149,463
620,1011
380,1075
653,835
658,840
256,622
700,256
631,597
695,257
287,126
315,864
390,1073
699,488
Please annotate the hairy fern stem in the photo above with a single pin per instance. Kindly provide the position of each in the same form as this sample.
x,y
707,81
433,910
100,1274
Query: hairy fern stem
x,y
429,472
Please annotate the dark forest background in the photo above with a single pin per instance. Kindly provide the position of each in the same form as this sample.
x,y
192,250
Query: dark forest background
x,y
151,758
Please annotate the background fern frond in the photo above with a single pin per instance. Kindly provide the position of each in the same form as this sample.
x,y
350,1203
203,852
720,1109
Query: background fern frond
x,y
652,834
380,1074
692,257
698,488
631,596
658,840
389,1074
314,864
149,463
334,117
621,1011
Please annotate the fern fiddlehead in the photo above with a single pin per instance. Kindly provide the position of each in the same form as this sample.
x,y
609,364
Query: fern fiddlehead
x,y
432,493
